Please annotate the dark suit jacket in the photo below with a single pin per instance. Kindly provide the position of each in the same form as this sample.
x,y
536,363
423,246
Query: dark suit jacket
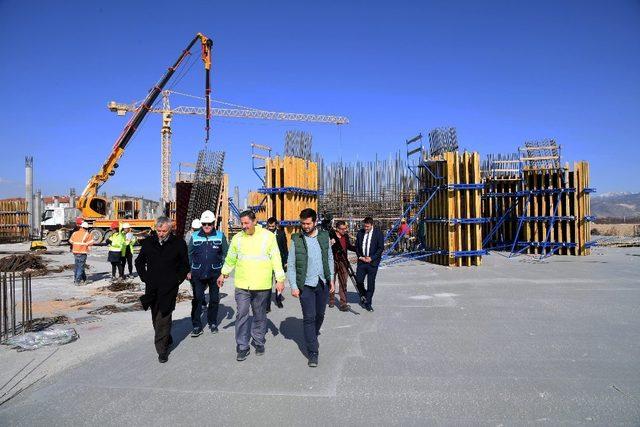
x,y
376,247
281,239
162,268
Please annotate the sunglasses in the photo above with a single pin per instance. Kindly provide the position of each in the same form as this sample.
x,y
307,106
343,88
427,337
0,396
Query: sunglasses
x,y
207,224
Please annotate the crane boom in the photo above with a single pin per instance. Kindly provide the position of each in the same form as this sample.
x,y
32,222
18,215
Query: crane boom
x,y
95,207
245,113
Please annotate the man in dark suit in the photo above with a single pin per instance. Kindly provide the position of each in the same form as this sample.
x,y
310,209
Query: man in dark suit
x,y
281,239
369,247
162,264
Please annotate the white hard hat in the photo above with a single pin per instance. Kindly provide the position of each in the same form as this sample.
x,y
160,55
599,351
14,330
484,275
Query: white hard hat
x,y
126,225
207,217
196,223
84,224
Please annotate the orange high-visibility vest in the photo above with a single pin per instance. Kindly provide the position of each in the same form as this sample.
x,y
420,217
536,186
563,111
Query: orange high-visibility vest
x,y
80,241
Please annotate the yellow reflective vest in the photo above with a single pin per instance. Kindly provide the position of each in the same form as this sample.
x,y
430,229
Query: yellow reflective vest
x,y
255,258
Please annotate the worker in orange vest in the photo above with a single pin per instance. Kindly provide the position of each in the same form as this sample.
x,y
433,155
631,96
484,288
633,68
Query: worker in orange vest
x,y
80,242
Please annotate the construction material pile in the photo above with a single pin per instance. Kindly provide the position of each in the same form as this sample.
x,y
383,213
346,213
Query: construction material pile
x,y
23,262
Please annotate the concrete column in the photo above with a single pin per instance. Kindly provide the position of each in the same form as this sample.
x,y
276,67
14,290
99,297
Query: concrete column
x,y
28,195
38,211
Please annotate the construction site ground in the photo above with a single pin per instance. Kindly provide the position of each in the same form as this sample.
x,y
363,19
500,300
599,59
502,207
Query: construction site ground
x,y
514,341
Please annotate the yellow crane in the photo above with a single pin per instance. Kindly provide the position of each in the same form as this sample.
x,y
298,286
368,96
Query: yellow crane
x,y
237,111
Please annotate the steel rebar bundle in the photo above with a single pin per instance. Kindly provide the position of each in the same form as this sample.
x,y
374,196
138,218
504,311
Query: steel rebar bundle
x,y
379,188
443,140
298,144
544,154
207,184
501,165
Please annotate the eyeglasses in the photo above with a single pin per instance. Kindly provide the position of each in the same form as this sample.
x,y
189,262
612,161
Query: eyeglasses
x,y
207,224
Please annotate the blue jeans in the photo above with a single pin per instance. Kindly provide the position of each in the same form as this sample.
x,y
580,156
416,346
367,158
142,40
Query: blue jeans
x,y
199,286
245,327
314,303
79,274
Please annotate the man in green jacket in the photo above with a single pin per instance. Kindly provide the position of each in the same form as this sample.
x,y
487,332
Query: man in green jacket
x,y
255,256
310,274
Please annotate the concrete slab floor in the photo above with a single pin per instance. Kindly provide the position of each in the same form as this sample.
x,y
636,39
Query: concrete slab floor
x,y
512,342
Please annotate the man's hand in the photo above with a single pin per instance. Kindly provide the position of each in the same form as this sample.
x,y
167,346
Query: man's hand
x,y
332,287
367,259
189,276
295,293
333,242
220,281
280,286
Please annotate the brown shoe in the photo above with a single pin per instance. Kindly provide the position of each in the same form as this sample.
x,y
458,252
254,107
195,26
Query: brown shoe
x,y
345,307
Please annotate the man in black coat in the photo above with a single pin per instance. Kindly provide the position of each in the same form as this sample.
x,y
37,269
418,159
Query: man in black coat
x,y
369,247
281,239
162,264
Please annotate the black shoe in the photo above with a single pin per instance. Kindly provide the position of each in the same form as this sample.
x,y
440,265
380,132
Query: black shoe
x,y
279,301
196,332
213,328
331,305
242,355
313,360
269,308
259,350
344,307
368,307
363,302
162,358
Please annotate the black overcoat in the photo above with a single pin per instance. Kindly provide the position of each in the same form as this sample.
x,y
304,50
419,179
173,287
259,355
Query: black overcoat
x,y
162,268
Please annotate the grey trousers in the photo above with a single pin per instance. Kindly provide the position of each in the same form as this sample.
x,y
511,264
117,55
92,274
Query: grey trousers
x,y
245,327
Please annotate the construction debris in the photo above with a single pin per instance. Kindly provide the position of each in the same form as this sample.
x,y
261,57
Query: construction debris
x,y
119,286
43,323
22,262
128,298
184,295
108,309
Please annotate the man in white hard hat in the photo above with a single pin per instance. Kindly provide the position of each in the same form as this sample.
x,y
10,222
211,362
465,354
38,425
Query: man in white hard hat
x,y
80,242
195,226
207,250
129,241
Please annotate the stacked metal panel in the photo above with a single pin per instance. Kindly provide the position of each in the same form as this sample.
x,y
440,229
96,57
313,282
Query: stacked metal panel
x,y
443,140
207,185
298,144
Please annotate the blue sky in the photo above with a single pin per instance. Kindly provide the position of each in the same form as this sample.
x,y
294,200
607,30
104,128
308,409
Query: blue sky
x,y
502,72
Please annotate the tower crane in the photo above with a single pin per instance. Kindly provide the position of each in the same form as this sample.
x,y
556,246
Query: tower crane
x,y
237,112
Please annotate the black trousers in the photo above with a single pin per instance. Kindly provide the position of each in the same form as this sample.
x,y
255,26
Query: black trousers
x,y
314,304
366,269
119,266
162,329
127,260
199,286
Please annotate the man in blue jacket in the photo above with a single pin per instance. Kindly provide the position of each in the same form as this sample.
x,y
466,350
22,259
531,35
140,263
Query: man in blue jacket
x,y
207,251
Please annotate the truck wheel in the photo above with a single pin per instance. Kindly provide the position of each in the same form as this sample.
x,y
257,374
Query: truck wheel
x,y
97,235
52,238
